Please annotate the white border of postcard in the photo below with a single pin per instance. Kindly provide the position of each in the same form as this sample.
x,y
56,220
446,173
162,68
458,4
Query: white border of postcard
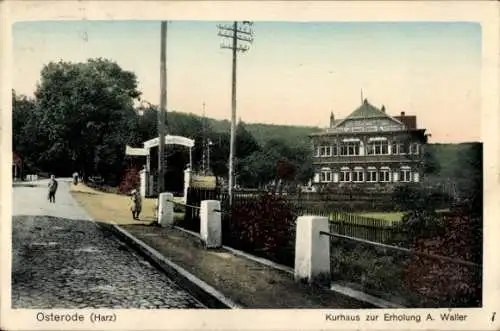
x,y
485,13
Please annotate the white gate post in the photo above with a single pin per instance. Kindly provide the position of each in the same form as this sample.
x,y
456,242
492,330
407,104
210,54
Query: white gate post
x,y
187,183
166,209
312,250
210,223
143,175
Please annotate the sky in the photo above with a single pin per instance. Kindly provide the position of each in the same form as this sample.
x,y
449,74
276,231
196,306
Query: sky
x,y
293,74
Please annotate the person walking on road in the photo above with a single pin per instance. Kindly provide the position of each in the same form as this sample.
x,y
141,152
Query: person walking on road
x,y
52,189
75,178
136,204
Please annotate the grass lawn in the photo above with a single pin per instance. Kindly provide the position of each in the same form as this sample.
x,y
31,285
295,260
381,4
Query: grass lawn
x,y
390,217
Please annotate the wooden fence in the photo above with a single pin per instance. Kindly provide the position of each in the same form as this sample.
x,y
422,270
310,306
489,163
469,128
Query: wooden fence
x,y
362,227
341,222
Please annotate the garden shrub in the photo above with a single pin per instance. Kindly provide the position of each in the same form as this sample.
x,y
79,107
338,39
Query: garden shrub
x,y
456,284
131,180
264,225
416,197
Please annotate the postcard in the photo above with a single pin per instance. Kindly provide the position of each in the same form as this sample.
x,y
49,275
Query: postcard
x,y
191,165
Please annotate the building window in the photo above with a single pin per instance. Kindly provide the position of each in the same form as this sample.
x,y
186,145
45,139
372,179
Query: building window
x,y
328,151
334,150
358,175
377,148
345,175
400,148
414,149
349,148
326,176
371,175
405,174
316,151
384,175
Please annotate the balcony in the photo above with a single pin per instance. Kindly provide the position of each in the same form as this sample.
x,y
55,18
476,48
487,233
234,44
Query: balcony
x,y
367,159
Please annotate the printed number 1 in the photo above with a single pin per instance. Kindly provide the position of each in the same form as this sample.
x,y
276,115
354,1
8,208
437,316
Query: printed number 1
x,y
493,316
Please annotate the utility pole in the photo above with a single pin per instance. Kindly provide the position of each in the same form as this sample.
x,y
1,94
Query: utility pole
x,y
204,147
209,145
233,34
163,108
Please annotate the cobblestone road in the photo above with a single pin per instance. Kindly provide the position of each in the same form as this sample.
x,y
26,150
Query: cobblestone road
x,y
60,259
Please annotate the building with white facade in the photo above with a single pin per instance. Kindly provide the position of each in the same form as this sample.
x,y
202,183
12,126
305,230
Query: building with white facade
x,y
369,147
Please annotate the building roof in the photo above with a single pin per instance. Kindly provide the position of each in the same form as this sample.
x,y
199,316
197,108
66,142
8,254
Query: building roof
x,y
366,110
409,120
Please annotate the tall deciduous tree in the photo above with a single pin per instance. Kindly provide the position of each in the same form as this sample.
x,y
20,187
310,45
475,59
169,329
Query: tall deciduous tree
x,y
85,114
23,141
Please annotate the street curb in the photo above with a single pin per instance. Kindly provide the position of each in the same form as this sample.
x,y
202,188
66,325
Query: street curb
x,y
240,253
337,288
208,295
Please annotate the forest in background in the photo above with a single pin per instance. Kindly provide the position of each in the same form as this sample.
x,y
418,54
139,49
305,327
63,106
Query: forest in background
x,y
83,115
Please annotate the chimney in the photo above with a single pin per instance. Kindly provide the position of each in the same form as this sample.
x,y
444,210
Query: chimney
x,y
402,114
383,108
332,120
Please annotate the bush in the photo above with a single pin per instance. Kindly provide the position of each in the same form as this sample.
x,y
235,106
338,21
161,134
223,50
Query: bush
x,y
415,197
264,225
130,181
457,284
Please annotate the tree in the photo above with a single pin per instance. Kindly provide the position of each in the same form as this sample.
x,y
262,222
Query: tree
x,y
257,169
298,156
219,154
85,116
431,164
245,142
22,139
469,176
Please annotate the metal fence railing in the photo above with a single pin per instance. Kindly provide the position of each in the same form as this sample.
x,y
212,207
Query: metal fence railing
x,y
405,276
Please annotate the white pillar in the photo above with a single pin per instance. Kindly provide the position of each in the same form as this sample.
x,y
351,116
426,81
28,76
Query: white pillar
x,y
190,158
395,176
210,223
416,177
312,250
166,209
143,174
187,182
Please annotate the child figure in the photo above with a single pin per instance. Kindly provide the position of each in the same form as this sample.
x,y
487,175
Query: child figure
x,y
52,189
136,204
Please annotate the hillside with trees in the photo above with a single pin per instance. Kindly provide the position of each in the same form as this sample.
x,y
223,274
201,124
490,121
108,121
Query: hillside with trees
x,y
82,116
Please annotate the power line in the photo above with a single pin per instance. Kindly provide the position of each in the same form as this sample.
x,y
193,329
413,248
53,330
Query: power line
x,y
236,37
